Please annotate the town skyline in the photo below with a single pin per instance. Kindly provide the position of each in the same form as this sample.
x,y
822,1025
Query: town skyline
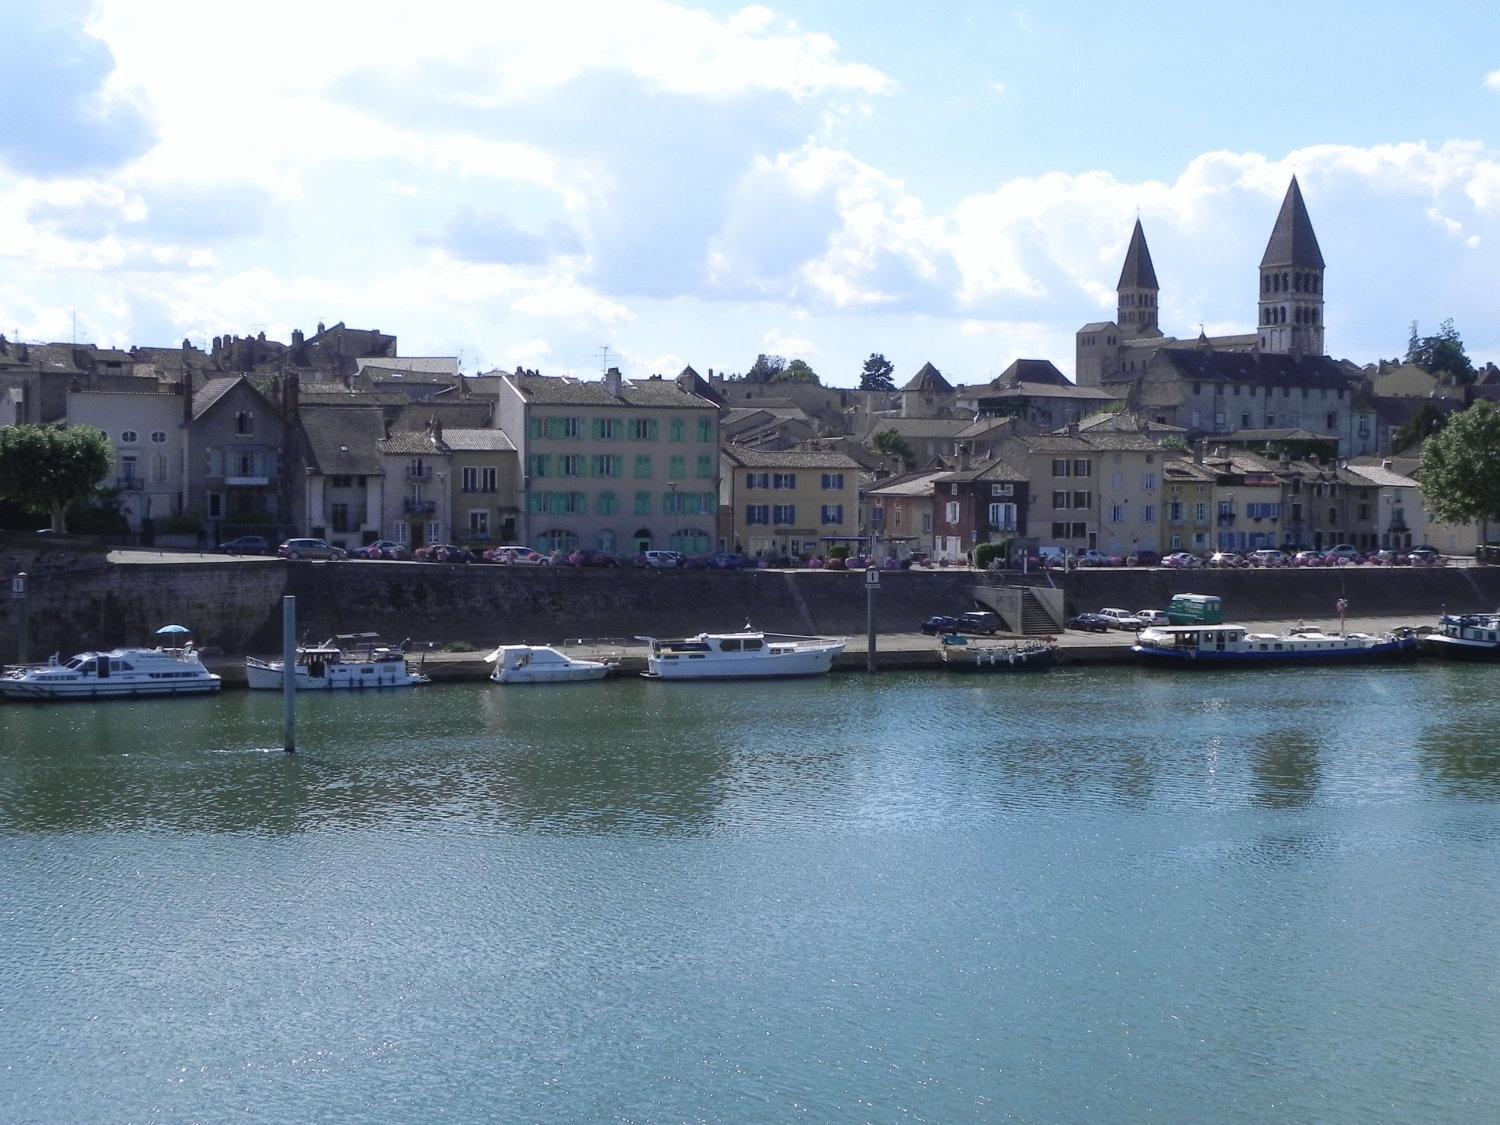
x,y
695,185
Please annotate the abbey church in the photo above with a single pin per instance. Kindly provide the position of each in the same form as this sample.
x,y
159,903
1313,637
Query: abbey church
x,y
1273,384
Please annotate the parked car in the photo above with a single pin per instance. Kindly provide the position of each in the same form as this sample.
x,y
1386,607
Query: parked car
x,y
444,553
1182,560
1269,557
1343,554
1426,556
979,621
246,545
1229,560
1308,558
585,557
1091,557
1143,558
381,549
726,560
515,554
940,623
1120,619
1152,617
660,560
1090,623
309,549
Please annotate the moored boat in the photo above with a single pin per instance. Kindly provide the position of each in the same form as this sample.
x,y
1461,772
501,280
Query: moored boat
x,y
118,673
354,662
959,654
1231,645
542,664
1467,636
746,654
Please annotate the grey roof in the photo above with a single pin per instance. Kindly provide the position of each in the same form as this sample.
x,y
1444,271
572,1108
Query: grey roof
x,y
1098,326
1138,272
416,415
1275,435
211,392
996,468
1125,420
1046,390
412,442
1209,365
916,484
1379,475
1084,443
549,390
749,458
914,427
1033,371
929,380
477,441
343,441
1293,242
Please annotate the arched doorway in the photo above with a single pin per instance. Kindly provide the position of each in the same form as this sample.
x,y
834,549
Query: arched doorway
x,y
642,539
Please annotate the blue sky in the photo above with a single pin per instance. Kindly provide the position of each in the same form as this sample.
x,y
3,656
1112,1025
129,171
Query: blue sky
x,y
702,183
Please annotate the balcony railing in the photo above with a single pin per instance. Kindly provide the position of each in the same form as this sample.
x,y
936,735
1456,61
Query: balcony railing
x,y
419,507
247,482
419,472
1226,519
128,484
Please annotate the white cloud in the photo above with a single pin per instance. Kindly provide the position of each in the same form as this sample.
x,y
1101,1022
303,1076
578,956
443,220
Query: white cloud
x,y
1492,80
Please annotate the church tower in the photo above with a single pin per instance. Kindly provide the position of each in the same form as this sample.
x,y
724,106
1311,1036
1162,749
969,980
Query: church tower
x,y
1291,283
1137,290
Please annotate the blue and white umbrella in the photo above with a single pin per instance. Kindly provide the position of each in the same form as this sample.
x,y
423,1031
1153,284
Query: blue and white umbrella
x,y
172,630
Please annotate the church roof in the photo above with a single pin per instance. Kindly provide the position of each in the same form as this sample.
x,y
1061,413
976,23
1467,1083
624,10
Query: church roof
x,y
1262,369
929,380
1138,272
1293,242
1033,371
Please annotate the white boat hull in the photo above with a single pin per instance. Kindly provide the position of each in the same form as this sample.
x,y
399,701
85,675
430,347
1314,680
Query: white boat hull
x,y
806,660
266,675
113,688
566,675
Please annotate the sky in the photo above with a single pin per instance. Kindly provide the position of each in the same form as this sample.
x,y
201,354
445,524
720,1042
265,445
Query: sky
x,y
531,184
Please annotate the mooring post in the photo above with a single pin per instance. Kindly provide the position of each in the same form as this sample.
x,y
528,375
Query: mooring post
x,y
23,627
289,672
872,583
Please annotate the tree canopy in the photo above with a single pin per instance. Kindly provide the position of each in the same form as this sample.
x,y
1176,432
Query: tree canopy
x,y
797,372
45,469
765,369
1460,469
1440,354
876,375
888,443
1428,420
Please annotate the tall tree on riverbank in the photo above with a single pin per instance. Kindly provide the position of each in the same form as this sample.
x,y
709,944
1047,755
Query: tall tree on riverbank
x,y
876,375
45,469
1460,470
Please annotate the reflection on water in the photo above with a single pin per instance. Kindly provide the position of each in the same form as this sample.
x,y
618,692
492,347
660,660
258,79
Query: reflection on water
x,y
1202,897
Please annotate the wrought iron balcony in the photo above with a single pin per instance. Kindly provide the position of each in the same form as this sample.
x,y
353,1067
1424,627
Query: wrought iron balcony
x,y
419,472
420,507
128,484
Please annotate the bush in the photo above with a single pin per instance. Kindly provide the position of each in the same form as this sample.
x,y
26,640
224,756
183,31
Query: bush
x,y
986,553
458,646
839,552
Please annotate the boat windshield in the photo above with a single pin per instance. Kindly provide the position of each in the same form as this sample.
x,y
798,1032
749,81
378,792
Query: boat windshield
x,y
76,663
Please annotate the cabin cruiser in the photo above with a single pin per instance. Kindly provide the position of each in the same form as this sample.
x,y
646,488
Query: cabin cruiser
x,y
109,675
1468,636
747,653
542,664
960,654
350,661
1225,645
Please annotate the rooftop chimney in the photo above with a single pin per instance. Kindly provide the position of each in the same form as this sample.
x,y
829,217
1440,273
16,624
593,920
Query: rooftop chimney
x,y
612,381
1198,452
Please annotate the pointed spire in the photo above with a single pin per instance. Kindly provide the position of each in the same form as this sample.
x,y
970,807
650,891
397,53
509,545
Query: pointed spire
x,y
1293,242
1138,272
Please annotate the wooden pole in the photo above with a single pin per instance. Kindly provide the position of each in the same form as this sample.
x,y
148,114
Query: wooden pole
x,y
289,672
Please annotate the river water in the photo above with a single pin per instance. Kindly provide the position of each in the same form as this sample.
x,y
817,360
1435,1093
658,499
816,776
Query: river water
x,y
1109,893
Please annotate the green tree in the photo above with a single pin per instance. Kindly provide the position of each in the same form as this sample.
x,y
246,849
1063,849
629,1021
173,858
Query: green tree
x,y
888,443
765,369
45,469
1441,354
1428,420
1460,471
876,375
796,372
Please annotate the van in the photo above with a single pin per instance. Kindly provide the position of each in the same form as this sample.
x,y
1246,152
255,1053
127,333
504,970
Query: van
x,y
1195,609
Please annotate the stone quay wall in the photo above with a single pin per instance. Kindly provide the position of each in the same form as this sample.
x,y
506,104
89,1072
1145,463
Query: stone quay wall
x,y
234,606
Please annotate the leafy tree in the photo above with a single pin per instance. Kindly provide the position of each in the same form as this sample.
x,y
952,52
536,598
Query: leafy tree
x,y
1428,420
796,372
876,375
45,469
1460,470
1440,354
888,443
765,369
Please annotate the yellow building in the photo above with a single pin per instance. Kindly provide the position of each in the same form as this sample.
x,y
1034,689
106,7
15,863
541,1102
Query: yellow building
x,y
790,502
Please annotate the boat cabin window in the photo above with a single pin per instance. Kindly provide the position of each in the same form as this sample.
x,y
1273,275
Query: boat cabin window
x,y
88,666
754,645
729,644
75,663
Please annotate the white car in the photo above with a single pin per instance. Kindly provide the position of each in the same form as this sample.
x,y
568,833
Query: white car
x,y
663,560
1182,560
1121,618
1151,618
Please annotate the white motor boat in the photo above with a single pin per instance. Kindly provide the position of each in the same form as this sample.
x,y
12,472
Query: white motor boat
x,y
1220,646
541,664
352,662
748,653
1467,636
113,674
